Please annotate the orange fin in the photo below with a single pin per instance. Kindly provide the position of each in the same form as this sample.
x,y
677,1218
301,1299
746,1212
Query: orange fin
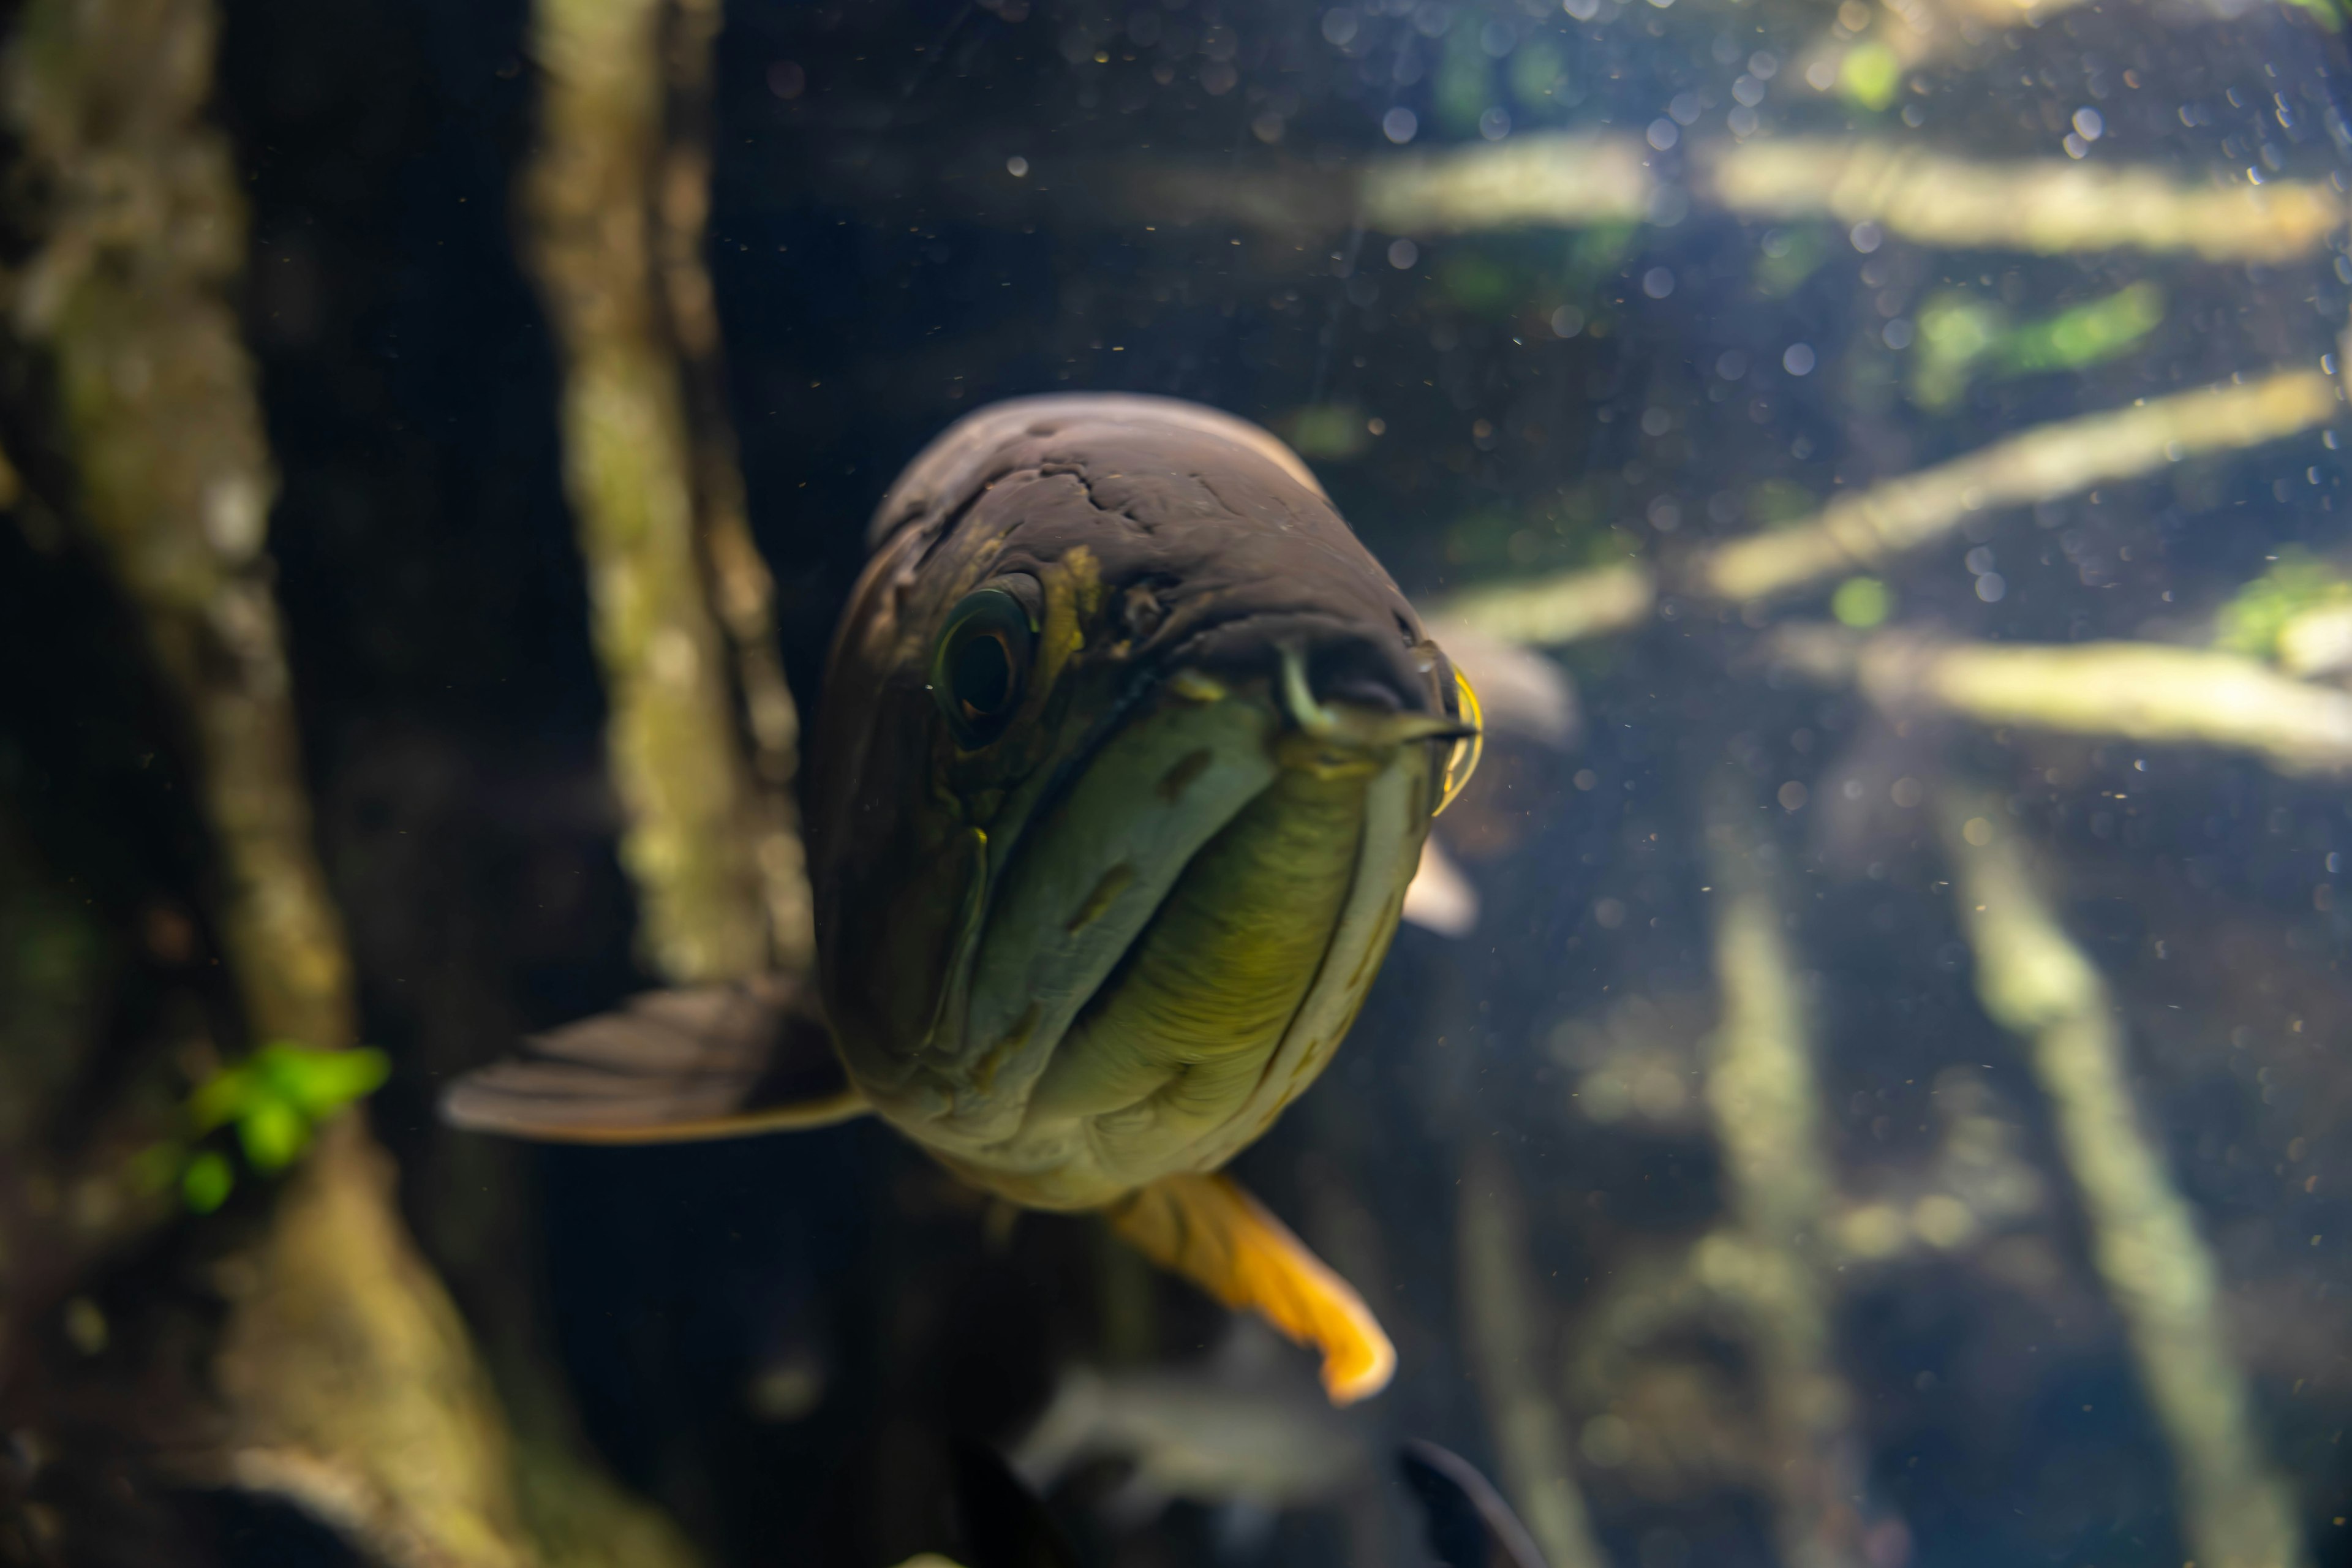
x,y
1217,1235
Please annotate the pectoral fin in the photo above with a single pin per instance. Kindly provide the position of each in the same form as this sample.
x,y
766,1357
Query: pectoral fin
x,y
710,1061
1210,1230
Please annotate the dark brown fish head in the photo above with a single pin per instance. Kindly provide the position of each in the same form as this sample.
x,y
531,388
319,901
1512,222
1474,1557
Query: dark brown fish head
x,y
1125,757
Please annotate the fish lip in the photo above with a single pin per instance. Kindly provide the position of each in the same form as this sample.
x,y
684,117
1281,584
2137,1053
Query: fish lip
x,y
1340,650
1154,670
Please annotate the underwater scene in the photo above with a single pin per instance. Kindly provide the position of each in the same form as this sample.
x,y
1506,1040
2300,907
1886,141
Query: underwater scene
x,y
1031,784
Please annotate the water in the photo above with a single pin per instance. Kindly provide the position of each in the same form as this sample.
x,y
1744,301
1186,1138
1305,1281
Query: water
x,y
1741,1187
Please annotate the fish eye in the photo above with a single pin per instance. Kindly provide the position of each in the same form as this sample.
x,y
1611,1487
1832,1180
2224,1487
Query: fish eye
x,y
1463,761
979,669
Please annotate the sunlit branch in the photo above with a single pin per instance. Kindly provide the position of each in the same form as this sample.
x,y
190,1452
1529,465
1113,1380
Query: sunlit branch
x,y
1505,1313
1528,181
741,589
1570,607
1858,531
1864,530
2149,692
2316,642
2035,981
2047,206
590,189
1575,179
1763,1094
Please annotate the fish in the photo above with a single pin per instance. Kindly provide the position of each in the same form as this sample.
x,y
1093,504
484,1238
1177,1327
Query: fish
x,y
1231,1434
1527,703
1469,1524
1125,757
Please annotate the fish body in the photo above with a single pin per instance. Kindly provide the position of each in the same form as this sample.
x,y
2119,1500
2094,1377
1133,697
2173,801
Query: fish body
x,y
1105,933
1126,756
1197,1438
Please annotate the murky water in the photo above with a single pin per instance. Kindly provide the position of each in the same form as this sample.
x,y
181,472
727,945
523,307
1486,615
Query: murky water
x,y
1877,1092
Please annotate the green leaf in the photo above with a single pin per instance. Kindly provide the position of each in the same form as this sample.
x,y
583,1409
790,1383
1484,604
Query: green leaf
x,y
2083,335
1329,430
205,1185
317,1081
1465,77
1871,75
1537,75
2251,622
1861,602
1789,257
272,1133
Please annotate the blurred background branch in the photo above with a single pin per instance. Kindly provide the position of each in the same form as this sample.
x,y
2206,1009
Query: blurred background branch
x,y
1510,1329
2151,692
1867,527
1589,179
2042,207
2038,984
614,198
1763,1096
342,1379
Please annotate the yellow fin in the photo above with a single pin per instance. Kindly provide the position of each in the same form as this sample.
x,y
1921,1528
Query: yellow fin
x,y
1210,1230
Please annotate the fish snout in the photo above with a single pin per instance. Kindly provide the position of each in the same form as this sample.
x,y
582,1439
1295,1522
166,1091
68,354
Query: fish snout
x,y
1350,695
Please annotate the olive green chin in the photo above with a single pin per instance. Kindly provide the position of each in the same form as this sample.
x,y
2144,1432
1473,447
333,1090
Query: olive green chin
x,y
1060,896
1176,1035
1219,1016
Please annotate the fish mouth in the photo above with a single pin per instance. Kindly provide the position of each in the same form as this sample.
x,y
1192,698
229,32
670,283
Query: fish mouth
x,y
1183,929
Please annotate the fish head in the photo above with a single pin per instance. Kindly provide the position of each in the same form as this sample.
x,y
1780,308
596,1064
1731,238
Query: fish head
x,y
1125,758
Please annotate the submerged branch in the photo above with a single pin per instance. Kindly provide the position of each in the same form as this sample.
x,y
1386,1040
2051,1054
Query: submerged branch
x,y
1570,607
2047,206
1505,1309
1858,531
1526,181
2134,691
741,589
1864,530
2035,981
1762,1092
128,297
344,1382
1575,180
590,189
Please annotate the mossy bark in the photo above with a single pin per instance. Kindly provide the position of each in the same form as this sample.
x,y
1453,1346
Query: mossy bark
x,y
342,1378
615,195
